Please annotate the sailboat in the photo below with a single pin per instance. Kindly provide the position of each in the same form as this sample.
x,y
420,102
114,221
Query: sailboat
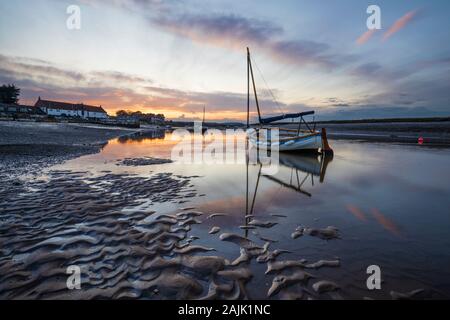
x,y
198,126
299,139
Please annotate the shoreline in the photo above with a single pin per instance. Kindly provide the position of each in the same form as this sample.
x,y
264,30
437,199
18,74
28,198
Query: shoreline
x,y
434,134
28,148
404,138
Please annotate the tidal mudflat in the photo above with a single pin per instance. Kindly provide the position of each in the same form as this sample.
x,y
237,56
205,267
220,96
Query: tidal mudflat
x,y
142,227
28,147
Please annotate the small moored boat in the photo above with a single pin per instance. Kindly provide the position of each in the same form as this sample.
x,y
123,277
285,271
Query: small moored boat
x,y
301,139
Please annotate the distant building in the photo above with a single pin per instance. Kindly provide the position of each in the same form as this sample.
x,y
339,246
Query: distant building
x,y
153,118
59,109
19,109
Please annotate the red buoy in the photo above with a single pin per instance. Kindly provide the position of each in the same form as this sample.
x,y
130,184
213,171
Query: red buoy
x,y
420,140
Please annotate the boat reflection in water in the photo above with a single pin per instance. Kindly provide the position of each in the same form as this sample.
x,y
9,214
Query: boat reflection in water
x,y
294,173
311,165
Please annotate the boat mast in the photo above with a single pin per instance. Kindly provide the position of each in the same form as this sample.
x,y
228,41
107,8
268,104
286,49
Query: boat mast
x,y
249,68
248,89
203,122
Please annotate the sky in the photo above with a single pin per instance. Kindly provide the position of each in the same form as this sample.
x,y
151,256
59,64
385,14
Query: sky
x,y
177,56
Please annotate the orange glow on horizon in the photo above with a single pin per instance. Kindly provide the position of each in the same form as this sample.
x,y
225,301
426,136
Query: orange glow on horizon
x,y
171,113
178,114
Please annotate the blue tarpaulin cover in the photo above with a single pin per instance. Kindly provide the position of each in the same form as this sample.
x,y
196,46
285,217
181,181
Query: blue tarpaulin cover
x,y
286,116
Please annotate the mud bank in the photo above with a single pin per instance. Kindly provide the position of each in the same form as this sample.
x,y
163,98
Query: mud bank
x,y
16,133
29,147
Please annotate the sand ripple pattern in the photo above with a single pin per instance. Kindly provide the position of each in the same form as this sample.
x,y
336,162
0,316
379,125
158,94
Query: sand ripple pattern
x,y
126,252
72,219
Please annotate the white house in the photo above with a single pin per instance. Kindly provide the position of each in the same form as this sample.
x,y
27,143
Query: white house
x,y
56,108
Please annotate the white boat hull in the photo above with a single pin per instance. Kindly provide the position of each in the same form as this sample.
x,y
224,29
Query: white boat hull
x,y
304,143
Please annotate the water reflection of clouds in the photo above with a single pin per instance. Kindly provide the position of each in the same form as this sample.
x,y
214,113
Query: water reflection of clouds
x,y
379,217
142,136
357,212
385,222
270,199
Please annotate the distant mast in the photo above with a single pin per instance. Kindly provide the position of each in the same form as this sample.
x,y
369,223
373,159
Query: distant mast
x,y
203,121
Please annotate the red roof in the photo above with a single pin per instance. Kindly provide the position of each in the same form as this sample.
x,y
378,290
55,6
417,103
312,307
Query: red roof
x,y
67,106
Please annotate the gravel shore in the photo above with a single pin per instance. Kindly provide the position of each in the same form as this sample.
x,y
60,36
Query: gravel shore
x,y
28,147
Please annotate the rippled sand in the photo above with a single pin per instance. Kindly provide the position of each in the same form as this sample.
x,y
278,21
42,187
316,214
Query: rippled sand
x,y
74,219
109,224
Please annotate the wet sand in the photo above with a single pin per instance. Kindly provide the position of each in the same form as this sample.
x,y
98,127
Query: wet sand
x,y
29,147
17,132
148,228
47,225
73,219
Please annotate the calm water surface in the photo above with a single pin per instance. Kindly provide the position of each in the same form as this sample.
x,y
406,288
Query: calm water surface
x,y
391,204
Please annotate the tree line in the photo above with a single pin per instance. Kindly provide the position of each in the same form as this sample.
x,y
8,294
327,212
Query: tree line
x,y
149,117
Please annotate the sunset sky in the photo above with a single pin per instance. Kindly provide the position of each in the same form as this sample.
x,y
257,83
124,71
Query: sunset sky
x,y
176,56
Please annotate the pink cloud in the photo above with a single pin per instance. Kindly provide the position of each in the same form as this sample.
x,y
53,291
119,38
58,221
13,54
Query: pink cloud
x,y
365,36
400,24
236,32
